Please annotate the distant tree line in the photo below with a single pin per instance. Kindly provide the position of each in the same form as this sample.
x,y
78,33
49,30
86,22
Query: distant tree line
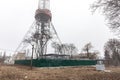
x,y
112,52
90,54
2,57
71,49
64,48
111,10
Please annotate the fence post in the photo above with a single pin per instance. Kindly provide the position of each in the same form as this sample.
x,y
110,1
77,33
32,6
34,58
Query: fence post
x,y
32,57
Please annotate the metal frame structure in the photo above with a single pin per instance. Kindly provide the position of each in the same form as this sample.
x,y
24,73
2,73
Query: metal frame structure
x,y
41,31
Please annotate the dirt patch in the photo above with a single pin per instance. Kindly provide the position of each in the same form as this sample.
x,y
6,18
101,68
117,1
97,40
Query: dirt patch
x,y
62,73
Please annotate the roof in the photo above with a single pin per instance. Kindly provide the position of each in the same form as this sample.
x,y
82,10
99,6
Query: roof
x,y
56,55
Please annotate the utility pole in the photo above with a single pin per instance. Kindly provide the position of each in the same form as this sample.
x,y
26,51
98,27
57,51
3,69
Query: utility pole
x,y
32,57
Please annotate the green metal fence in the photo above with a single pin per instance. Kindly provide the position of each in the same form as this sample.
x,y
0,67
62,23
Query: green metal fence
x,y
56,62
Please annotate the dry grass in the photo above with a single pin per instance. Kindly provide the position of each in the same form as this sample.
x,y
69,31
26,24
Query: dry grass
x,y
67,73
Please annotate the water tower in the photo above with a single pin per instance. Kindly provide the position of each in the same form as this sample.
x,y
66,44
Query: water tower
x,y
40,32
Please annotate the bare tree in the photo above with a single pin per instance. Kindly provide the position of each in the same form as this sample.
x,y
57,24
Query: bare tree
x,y
112,51
94,55
3,57
72,49
64,48
111,11
87,48
107,57
57,47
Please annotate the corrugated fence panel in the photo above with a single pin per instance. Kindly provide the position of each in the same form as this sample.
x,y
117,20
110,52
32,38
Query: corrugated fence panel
x,y
56,62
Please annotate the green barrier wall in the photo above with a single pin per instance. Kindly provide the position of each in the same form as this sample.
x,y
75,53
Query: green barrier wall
x,y
56,62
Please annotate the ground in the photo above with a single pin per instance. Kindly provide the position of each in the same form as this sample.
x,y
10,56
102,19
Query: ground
x,y
15,72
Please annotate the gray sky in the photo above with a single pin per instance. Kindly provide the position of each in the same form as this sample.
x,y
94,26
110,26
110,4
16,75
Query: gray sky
x,y
72,19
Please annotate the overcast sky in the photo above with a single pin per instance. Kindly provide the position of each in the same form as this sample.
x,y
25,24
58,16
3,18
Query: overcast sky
x,y
72,19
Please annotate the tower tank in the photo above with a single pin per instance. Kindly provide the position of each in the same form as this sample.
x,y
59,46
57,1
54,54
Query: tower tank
x,y
43,14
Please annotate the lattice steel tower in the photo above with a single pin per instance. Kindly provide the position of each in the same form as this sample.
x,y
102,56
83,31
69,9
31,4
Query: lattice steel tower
x,y
41,31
